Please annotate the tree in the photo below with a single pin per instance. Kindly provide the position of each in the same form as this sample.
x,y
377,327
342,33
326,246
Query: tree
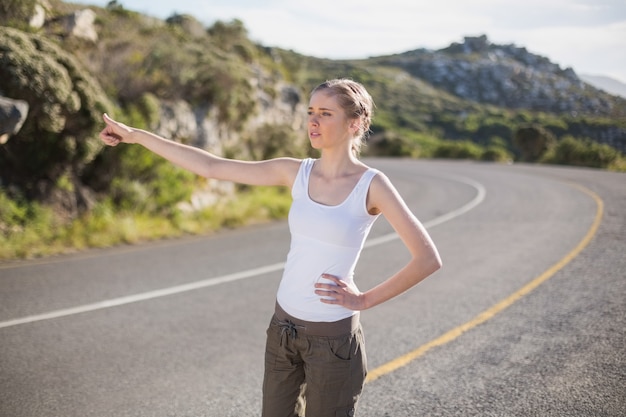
x,y
532,142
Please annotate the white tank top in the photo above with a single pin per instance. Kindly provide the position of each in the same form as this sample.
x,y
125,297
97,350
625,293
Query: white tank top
x,y
324,239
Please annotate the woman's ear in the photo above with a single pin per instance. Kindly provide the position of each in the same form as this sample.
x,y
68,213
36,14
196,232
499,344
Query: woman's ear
x,y
355,125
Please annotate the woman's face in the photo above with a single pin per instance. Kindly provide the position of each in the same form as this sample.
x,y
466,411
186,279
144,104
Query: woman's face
x,y
328,124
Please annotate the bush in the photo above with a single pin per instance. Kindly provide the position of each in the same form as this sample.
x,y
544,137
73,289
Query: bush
x,y
147,183
390,143
16,12
24,226
582,152
533,142
496,154
271,141
458,150
65,107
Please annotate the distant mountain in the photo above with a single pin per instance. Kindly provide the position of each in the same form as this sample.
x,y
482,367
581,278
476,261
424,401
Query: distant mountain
x,y
608,84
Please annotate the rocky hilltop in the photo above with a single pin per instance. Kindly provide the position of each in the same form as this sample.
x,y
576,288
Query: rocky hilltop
x,y
506,76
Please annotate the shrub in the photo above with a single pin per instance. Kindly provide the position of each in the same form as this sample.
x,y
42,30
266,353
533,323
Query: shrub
x,y
16,12
271,141
390,143
496,154
65,107
147,183
582,152
533,142
458,150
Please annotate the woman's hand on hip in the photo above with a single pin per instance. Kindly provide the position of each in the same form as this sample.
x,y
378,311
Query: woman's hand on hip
x,y
338,292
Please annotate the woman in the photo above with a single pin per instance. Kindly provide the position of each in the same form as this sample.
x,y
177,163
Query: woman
x,y
315,358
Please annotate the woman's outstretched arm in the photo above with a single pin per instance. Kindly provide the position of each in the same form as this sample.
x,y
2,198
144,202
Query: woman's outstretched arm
x,y
280,171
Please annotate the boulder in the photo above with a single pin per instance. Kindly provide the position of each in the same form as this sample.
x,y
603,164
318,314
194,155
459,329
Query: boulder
x,y
38,19
12,116
80,24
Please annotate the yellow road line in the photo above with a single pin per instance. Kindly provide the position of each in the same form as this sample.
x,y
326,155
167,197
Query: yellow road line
x,y
497,308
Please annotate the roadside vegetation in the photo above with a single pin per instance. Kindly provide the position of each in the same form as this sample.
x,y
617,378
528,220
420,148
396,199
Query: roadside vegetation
x,y
30,229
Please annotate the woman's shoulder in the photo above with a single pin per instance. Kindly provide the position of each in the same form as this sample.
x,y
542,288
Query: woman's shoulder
x,y
383,194
289,167
374,173
380,184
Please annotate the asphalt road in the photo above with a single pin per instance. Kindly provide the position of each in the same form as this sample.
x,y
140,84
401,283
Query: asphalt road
x,y
177,328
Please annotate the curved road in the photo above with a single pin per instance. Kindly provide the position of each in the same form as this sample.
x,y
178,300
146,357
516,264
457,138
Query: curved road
x,y
526,318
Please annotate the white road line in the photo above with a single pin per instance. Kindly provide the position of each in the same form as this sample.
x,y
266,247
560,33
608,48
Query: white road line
x,y
115,302
479,198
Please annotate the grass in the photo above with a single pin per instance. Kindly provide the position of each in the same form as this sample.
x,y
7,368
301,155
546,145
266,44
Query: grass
x,y
36,232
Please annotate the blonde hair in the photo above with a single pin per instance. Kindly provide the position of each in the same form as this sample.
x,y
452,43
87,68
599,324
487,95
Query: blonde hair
x,y
354,99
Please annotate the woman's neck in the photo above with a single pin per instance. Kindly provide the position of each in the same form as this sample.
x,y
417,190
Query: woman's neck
x,y
335,164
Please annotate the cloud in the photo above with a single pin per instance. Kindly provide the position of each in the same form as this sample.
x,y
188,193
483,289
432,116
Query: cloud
x,y
595,50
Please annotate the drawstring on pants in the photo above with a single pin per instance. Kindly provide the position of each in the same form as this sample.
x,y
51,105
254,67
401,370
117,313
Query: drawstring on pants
x,y
289,328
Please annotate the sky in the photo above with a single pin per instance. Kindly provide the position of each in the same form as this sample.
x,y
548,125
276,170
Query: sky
x,y
586,35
